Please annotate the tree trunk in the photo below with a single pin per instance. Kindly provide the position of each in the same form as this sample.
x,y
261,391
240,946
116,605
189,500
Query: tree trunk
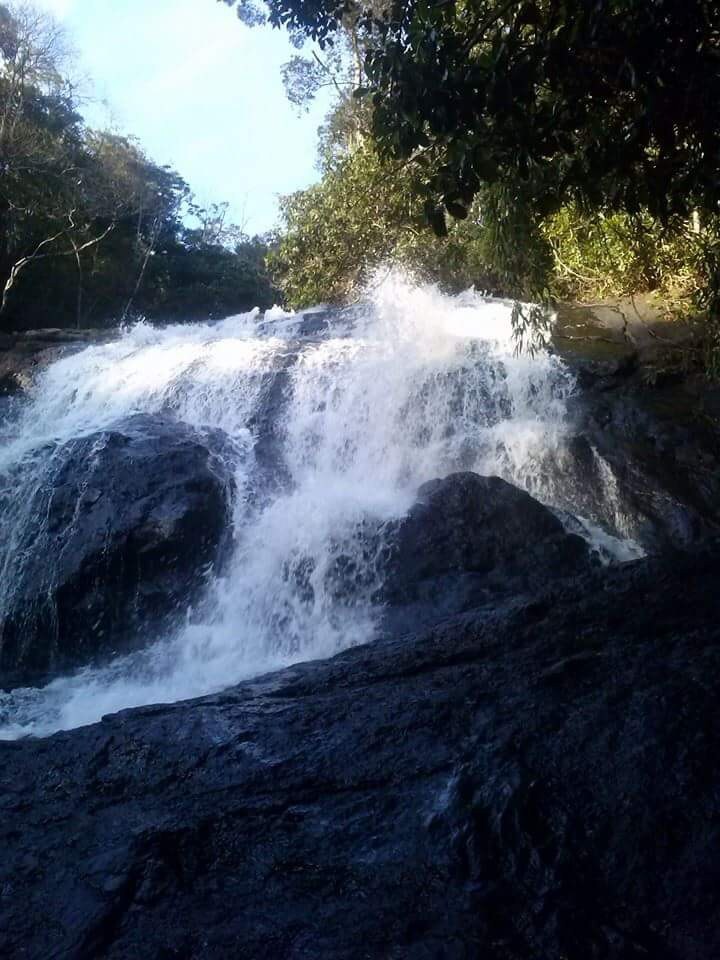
x,y
150,249
78,261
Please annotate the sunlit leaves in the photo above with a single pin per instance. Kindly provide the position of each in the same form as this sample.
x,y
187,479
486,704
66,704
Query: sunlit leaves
x,y
614,101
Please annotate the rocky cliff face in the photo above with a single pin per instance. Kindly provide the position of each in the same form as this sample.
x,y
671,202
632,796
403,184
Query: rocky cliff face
x,y
643,456
23,355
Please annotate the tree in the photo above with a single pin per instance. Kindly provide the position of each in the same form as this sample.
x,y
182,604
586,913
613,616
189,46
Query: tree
x,y
366,213
564,147
606,102
34,54
190,279
41,203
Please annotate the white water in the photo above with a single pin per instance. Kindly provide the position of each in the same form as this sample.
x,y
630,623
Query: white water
x,y
419,385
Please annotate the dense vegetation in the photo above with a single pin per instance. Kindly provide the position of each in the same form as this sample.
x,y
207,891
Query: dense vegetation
x,y
91,230
555,147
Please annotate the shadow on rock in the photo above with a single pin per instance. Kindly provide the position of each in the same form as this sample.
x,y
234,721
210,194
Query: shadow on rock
x,y
134,519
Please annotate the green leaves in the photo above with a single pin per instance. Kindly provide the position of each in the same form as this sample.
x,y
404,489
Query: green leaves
x,y
529,15
490,74
510,112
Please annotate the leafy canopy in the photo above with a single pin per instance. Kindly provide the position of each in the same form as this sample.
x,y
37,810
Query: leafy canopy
x,y
604,102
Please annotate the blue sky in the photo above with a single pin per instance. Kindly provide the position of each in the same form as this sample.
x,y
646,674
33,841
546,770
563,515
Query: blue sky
x,y
201,92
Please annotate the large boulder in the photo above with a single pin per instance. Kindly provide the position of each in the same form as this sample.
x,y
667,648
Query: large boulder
x,y
469,539
132,519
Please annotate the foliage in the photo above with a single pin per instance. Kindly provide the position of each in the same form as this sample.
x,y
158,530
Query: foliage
x,y
512,242
615,254
611,102
565,149
192,280
366,211
606,254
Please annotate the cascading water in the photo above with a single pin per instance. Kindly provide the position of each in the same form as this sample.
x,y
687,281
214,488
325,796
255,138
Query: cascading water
x,y
372,403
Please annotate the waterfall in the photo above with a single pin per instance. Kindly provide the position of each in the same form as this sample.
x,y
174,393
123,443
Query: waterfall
x,y
369,403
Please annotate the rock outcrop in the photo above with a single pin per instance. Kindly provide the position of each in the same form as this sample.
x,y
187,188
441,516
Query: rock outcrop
x,y
644,461
23,355
536,782
524,766
470,540
121,529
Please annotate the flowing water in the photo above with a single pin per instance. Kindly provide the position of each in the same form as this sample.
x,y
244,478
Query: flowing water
x,y
370,403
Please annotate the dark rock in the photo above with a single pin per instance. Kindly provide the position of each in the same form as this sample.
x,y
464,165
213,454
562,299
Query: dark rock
x,y
313,324
132,519
266,425
608,373
529,784
645,460
317,323
645,463
469,539
24,355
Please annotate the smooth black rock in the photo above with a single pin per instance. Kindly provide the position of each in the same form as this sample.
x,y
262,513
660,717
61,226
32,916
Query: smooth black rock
x,y
533,784
119,536
469,539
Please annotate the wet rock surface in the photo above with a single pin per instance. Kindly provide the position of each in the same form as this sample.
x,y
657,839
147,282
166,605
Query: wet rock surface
x,y
645,461
24,355
471,539
535,777
122,529
535,782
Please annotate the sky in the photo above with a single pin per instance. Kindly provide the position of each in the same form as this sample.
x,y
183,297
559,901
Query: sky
x,y
201,91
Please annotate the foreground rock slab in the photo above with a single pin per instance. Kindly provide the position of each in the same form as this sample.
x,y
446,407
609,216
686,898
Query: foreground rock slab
x,y
538,783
